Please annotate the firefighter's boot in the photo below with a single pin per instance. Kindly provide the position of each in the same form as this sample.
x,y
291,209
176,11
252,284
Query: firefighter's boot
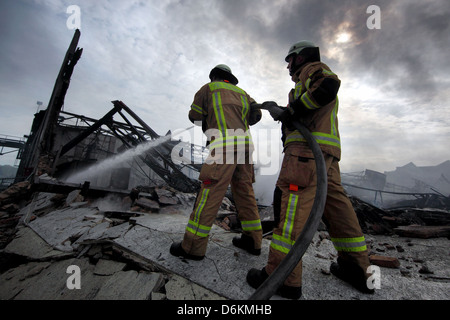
x,y
256,277
351,273
245,242
177,250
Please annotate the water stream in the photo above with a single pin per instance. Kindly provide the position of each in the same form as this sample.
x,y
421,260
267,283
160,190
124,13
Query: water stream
x,y
108,164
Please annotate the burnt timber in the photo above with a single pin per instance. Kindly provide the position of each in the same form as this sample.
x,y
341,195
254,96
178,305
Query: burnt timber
x,y
49,145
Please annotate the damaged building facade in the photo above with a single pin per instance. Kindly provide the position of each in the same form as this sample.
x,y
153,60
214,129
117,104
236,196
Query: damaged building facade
x,y
62,144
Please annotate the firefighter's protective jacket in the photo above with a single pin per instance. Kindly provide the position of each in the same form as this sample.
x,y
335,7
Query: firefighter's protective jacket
x,y
225,110
319,115
314,102
225,114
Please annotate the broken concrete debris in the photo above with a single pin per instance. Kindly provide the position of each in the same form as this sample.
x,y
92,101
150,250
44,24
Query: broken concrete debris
x,y
165,196
145,203
71,229
123,253
409,222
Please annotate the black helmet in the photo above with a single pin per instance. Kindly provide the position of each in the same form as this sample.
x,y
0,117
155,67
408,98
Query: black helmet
x,y
223,71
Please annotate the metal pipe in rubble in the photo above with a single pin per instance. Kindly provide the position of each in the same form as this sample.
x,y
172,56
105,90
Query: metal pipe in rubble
x,y
277,278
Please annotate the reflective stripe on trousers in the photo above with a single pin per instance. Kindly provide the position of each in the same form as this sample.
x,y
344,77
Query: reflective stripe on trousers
x,y
350,244
198,229
193,225
251,225
284,242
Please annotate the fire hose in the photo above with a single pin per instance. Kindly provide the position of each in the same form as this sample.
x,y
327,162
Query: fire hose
x,y
269,287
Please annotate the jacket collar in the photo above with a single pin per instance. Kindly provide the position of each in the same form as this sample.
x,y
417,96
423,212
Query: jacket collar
x,y
296,76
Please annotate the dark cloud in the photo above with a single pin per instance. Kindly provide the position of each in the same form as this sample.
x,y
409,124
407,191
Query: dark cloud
x,y
404,55
407,48
24,36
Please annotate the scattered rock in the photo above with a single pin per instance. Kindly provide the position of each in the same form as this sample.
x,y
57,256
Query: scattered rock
x,y
227,205
324,235
405,272
425,269
382,261
147,204
166,196
325,271
15,192
74,196
105,278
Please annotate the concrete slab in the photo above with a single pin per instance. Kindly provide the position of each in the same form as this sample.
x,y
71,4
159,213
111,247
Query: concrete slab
x,y
93,234
179,288
62,227
48,281
108,267
223,271
130,285
51,281
224,268
41,202
15,280
29,245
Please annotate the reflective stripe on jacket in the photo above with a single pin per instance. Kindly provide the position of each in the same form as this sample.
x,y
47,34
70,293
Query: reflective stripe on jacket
x,y
322,122
224,110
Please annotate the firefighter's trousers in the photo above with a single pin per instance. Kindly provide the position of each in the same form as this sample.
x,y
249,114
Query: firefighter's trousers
x,y
297,181
215,181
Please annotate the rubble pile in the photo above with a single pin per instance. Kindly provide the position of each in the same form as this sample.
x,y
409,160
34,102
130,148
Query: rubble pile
x,y
84,227
120,243
408,221
10,201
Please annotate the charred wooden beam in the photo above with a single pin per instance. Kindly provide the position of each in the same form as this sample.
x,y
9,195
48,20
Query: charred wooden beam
x,y
41,141
141,137
89,130
44,185
149,130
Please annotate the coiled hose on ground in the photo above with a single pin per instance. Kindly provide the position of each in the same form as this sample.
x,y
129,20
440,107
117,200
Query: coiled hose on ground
x,y
276,279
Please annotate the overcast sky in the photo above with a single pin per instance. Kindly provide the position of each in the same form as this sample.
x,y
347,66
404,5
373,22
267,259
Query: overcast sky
x,y
155,55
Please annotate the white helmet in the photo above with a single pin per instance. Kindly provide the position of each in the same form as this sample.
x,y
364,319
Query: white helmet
x,y
298,47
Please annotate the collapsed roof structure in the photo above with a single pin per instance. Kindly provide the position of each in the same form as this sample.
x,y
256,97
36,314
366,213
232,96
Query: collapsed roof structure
x,y
62,142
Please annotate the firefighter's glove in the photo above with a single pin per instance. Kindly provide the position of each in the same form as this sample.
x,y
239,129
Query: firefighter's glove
x,y
298,110
278,113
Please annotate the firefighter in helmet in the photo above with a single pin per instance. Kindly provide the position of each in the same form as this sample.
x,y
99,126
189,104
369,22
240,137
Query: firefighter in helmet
x,y
314,102
225,113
